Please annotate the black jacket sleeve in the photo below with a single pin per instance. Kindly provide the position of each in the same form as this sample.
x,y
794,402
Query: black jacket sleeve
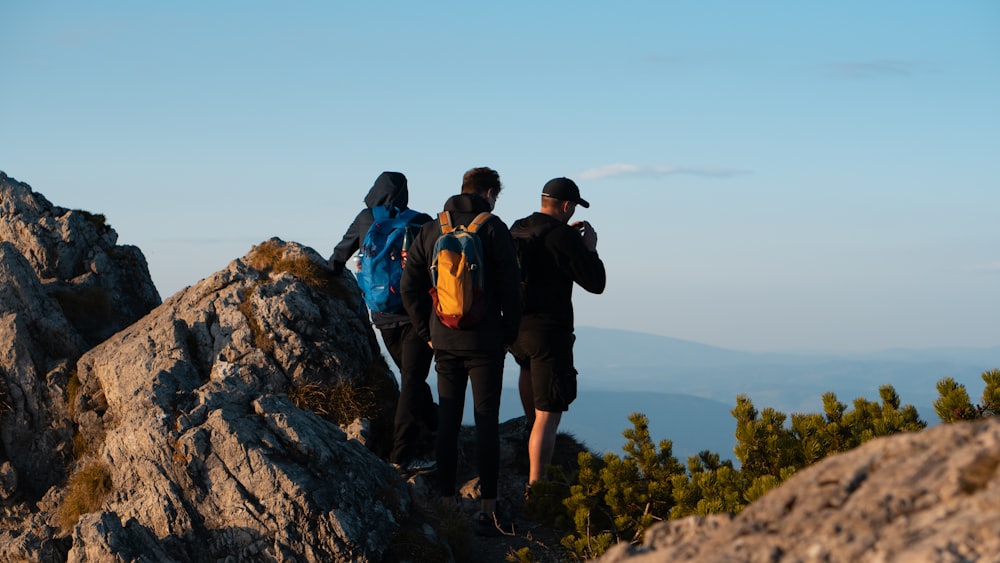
x,y
508,281
416,280
584,266
352,239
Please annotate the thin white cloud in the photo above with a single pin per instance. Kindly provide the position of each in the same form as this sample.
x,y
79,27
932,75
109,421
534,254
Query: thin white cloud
x,y
867,69
623,169
608,171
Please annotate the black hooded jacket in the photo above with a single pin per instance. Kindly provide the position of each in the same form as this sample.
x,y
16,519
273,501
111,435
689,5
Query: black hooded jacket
x,y
389,190
561,260
503,305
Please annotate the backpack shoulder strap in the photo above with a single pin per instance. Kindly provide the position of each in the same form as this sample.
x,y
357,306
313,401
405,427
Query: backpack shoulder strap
x,y
380,213
445,219
479,220
407,215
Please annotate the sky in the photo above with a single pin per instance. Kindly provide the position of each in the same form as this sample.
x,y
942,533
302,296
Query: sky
x,y
763,176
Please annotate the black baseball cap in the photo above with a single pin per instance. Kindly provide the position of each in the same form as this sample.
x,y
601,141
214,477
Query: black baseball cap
x,y
564,189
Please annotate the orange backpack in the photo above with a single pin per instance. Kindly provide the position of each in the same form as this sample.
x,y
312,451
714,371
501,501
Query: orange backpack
x,y
458,276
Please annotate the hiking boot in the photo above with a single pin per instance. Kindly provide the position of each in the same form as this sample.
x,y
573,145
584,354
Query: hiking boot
x,y
421,465
416,466
491,525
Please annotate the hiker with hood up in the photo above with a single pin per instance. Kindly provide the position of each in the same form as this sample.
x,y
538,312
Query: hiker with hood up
x,y
416,414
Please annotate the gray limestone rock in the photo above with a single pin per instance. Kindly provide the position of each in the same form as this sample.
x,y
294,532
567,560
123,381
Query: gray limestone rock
x,y
190,412
206,428
36,362
102,287
925,496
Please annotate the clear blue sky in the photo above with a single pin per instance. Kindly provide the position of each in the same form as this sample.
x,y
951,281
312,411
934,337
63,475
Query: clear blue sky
x,y
764,176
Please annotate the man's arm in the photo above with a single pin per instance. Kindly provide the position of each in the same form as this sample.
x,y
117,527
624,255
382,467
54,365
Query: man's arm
x,y
416,283
505,260
351,241
583,264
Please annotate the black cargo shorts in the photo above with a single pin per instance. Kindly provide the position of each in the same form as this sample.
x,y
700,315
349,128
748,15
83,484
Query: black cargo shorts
x,y
549,356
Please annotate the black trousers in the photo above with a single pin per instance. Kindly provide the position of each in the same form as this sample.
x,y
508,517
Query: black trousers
x,y
454,370
416,414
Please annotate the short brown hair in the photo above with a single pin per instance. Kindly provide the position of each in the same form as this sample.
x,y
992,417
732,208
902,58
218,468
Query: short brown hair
x,y
481,180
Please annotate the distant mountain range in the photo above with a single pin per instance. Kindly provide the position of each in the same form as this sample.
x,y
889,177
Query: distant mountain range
x,y
687,389
598,418
619,360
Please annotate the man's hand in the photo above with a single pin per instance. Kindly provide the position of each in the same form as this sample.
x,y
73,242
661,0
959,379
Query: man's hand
x,y
589,234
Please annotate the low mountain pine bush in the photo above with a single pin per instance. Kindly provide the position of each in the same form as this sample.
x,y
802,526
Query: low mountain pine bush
x,y
616,498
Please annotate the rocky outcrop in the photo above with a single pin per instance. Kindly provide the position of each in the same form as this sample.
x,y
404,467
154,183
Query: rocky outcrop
x,y
926,496
193,412
102,287
64,286
210,427
36,361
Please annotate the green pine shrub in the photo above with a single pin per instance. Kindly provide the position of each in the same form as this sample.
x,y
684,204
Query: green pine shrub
x,y
616,498
953,403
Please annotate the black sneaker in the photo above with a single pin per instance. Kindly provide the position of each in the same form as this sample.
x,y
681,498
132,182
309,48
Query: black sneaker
x,y
420,465
492,526
417,466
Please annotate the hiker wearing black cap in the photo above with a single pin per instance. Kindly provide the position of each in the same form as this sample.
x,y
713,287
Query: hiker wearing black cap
x,y
554,254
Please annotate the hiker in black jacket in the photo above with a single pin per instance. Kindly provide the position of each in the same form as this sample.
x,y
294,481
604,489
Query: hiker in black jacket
x,y
554,255
416,413
475,353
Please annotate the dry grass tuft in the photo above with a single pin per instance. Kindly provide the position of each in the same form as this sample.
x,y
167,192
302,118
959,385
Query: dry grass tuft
x,y
80,445
260,337
265,255
373,399
340,404
85,491
72,392
269,257
98,220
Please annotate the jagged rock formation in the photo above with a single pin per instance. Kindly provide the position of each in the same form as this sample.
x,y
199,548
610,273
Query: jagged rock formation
x,y
189,416
190,410
925,496
65,286
102,287
39,348
209,429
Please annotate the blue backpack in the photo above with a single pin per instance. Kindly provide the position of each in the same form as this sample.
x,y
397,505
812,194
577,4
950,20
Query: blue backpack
x,y
382,256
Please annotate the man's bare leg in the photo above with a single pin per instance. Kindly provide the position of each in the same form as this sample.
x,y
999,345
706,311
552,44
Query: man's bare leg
x,y
527,393
542,443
